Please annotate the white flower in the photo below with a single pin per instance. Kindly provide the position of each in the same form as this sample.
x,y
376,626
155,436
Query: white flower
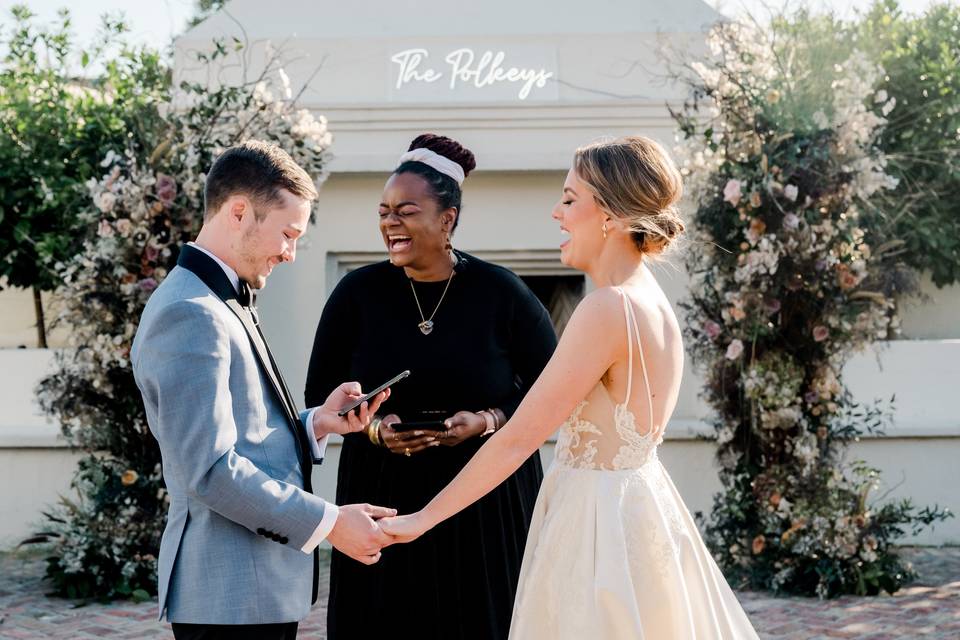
x,y
734,349
110,158
106,201
820,119
888,107
285,81
790,192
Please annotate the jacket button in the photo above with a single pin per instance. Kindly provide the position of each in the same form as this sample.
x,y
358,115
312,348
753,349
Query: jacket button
x,y
283,540
261,531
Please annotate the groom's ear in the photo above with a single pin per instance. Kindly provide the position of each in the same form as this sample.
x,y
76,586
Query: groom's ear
x,y
235,209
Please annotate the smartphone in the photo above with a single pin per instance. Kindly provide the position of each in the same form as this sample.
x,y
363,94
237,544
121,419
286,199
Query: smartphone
x,y
425,425
389,383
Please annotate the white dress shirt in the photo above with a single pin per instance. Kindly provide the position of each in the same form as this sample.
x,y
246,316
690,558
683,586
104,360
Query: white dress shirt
x,y
317,447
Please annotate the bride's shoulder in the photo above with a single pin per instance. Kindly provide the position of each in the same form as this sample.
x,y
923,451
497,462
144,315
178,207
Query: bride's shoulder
x,y
600,306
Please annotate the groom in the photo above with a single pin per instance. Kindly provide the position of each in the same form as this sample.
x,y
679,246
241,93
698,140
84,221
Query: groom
x,y
235,559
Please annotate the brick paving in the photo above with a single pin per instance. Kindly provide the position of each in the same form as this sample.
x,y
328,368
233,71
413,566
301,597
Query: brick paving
x,y
928,608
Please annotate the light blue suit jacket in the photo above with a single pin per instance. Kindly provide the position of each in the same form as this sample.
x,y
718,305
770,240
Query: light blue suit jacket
x,y
232,462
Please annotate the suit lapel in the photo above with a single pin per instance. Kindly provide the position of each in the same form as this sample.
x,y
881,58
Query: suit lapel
x,y
213,276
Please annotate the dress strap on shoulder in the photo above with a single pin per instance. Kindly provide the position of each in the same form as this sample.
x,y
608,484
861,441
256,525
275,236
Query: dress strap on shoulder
x,y
631,320
626,317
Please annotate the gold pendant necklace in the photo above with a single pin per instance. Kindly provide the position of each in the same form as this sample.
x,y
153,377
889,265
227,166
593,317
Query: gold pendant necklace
x,y
426,326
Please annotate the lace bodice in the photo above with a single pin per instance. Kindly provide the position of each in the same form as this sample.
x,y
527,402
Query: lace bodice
x,y
624,444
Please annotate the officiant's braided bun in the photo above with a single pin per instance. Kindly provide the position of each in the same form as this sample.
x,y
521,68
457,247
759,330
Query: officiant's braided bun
x,y
634,179
445,189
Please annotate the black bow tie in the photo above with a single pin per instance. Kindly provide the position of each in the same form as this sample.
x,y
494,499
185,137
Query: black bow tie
x,y
247,297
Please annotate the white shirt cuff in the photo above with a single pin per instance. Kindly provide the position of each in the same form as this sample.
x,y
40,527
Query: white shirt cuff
x,y
330,514
318,448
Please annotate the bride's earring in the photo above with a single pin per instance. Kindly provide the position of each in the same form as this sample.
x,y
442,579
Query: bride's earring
x,y
604,229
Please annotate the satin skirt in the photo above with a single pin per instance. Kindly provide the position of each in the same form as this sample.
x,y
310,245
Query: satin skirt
x,y
616,555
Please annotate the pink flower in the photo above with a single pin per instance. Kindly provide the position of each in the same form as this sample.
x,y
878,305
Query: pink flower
x,y
151,253
791,221
731,192
147,284
105,230
772,305
712,329
734,350
820,333
124,226
166,188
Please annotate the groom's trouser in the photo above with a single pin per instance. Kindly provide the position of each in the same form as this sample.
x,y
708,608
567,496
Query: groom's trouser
x,y
284,631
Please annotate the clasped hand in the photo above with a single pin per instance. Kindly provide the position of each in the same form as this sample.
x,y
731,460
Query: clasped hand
x,y
362,531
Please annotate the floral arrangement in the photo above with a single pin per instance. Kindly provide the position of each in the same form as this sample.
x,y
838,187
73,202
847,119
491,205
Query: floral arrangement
x,y
792,275
147,204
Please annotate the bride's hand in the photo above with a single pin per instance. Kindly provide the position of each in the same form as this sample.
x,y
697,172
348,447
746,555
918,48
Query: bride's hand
x,y
404,528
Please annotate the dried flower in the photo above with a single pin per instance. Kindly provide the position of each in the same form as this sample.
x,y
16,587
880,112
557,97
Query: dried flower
x,y
129,477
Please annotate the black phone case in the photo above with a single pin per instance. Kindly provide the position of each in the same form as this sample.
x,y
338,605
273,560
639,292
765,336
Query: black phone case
x,y
425,425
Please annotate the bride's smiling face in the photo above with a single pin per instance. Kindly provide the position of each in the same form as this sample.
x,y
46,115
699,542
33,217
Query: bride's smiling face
x,y
581,222
412,226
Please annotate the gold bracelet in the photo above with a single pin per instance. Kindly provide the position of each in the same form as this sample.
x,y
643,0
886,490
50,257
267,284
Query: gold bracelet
x,y
373,432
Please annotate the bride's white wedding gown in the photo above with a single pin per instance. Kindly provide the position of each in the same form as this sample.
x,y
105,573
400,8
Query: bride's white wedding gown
x,y
612,551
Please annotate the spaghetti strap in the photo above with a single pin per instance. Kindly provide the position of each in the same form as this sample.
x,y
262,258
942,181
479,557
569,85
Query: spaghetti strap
x,y
631,319
626,317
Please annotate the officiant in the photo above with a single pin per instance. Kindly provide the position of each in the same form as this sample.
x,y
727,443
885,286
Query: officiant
x,y
474,338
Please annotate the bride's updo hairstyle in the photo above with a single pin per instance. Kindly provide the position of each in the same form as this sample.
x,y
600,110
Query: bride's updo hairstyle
x,y
633,179
445,189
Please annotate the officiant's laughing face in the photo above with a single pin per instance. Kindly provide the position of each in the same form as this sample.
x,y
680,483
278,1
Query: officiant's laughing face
x,y
414,228
267,234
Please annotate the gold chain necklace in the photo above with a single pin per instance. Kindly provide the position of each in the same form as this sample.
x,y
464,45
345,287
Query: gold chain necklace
x,y
426,326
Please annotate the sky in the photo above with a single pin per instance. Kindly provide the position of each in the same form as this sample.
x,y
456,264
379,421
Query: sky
x,y
155,22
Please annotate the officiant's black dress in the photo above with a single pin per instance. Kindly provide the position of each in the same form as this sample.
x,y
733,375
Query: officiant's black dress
x,y
491,340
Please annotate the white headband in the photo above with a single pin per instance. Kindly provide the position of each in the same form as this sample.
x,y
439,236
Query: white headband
x,y
433,159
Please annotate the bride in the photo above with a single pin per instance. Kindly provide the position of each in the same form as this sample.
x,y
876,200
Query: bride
x,y
612,550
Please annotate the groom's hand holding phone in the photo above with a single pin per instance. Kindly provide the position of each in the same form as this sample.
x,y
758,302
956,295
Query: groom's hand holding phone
x,y
327,419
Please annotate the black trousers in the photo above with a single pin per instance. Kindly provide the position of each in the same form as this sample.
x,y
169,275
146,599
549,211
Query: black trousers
x,y
282,631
